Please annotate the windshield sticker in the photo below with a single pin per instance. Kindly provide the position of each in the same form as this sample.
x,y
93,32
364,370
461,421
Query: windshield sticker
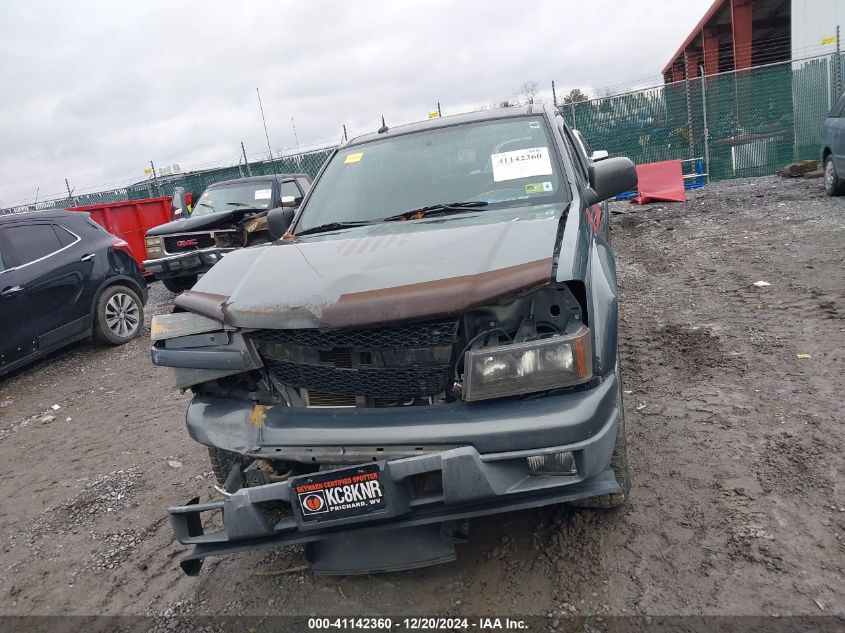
x,y
538,187
354,158
534,125
262,194
522,163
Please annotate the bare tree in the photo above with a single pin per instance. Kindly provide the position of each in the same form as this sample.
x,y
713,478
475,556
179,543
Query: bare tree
x,y
528,94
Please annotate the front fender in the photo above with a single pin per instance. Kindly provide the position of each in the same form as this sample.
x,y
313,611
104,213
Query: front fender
x,y
603,305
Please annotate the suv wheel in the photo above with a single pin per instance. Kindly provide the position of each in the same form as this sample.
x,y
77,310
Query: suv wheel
x,y
833,184
618,462
120,315
178,284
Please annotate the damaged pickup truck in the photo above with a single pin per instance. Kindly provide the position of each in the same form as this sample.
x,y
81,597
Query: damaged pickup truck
x,y
433,339
229,215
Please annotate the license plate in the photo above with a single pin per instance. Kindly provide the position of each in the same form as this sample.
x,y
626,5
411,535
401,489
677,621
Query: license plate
x,y
340,494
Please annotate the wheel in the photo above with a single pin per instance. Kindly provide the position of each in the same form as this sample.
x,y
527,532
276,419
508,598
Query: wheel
x,y
833,184
178,284
120,315
222,462
618,462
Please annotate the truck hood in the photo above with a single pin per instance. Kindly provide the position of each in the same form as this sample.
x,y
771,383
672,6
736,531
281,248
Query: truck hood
x,y
221,219
383,273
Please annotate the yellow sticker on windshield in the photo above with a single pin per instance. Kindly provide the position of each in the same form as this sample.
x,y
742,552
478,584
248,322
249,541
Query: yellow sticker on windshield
x,y
354,158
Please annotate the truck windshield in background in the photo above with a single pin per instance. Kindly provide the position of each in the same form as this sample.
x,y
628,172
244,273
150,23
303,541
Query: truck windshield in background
x,y
503,162
253,195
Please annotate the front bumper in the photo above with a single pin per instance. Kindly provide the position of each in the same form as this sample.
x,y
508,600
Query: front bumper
x,y
190,263
485,473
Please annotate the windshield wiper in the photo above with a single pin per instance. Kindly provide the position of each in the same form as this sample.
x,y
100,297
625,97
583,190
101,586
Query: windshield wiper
x,y
332,226
245,205
444,208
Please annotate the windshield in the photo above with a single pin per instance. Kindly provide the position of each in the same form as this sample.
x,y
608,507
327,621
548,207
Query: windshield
x,y
502,162
255,195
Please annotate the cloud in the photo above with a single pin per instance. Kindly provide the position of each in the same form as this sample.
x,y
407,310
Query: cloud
x,y
92,91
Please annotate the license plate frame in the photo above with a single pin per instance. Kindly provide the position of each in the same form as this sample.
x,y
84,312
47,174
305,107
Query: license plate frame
x,y
346,493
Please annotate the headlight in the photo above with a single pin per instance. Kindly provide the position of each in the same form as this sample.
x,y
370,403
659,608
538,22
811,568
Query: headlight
x,y
166,326
153,245
518,368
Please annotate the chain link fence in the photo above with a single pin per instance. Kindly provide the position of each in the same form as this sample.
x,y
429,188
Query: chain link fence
x,y
742,123
304,163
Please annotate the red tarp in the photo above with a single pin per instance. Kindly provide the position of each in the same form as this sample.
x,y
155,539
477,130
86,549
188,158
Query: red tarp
x,y
660,182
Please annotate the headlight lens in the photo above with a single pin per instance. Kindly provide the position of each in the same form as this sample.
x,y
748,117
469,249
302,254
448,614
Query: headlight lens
x,y
550,363
153,245
166,326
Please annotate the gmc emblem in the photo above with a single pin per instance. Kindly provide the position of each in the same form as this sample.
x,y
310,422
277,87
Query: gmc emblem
x,y
184,243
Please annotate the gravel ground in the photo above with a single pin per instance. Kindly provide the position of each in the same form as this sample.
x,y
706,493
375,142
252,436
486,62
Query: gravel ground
x,y
734,407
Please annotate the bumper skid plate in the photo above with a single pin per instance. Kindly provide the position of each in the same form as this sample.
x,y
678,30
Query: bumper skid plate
x,y
415,529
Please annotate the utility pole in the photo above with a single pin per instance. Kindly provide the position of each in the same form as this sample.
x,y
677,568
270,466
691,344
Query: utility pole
x,y
155,178
246,162
345,137
439,113
266,133
554,94
69,192
295,137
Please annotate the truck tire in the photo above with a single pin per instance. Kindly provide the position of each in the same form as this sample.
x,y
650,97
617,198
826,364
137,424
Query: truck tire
x,y
618,462
222,462
178,284
119,315
833,184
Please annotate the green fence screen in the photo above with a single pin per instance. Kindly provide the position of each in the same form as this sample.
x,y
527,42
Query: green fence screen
x,y
747,123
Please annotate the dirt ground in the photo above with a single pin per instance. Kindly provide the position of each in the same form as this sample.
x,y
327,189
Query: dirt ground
x,y
735,421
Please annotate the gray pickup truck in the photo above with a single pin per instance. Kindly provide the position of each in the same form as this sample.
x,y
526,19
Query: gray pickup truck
x,y
434,339
228,215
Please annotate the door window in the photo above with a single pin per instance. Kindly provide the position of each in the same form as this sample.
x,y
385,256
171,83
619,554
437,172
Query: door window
x,y
33,242
290,188
65,237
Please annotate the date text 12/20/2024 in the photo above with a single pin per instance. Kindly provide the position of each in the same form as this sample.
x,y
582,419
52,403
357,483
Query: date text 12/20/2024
x,y
418,624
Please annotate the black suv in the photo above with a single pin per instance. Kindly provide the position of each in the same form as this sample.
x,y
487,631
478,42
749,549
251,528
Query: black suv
x,y
62,278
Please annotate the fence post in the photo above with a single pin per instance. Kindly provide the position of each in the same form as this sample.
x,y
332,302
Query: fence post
x,y
706,129
574,127
838,61
689,105
554,95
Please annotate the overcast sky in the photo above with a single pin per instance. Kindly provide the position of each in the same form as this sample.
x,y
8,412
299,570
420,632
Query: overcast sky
x,y
92,91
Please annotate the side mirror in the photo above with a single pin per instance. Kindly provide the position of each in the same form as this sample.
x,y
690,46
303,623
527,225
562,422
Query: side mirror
x,y
599,154
609,178
289,202
179,208
279,220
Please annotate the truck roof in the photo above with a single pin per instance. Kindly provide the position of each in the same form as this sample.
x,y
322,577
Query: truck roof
x,y
282,177
455,119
